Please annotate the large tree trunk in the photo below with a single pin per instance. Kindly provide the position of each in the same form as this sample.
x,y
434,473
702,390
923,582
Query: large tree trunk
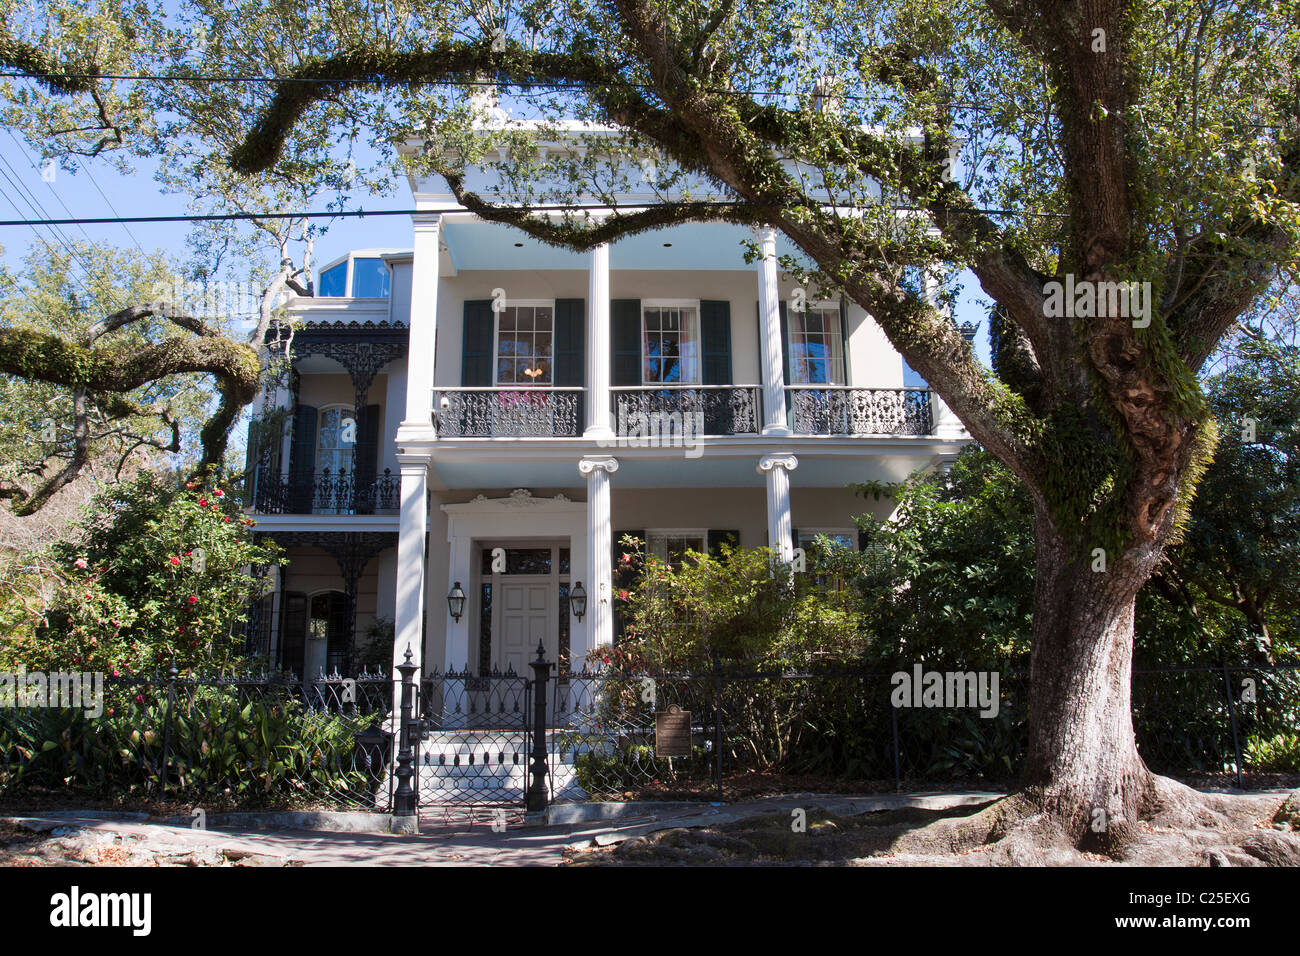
x,y
1083,767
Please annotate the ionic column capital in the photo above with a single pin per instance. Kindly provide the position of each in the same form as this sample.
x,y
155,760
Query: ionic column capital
x,y
597,463
768,462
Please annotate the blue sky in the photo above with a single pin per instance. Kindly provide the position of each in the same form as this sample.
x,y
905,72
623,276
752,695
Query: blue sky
x,y
98,190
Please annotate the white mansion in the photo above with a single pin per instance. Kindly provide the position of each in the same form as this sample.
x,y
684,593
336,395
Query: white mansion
x,y
474,413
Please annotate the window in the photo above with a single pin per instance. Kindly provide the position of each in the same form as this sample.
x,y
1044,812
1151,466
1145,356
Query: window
x,y
671,344
370,278
671,546
816,347
525,335
838,538
334,280
335,439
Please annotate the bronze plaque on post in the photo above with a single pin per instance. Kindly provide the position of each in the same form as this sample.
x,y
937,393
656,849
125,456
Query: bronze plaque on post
x,y
673,732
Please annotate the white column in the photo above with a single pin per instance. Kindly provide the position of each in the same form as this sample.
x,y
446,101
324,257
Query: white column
x,y
459,571
418,423
944,424
408,613
779,529
598,320
769,312
600,550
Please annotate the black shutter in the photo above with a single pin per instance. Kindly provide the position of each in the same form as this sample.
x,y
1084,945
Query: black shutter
x,y
293,631
569,363
715,341
338,647
785,339
623,579
625,321
476,344
862,540
302,460
251,458
717,537
365,461
794,537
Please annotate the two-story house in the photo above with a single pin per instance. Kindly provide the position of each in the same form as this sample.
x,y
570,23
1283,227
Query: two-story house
x,y
475,418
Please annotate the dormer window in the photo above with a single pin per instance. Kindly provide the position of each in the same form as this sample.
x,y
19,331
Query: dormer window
x,y
358,276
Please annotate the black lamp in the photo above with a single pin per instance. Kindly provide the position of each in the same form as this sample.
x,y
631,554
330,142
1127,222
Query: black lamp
x,y
456,601
578,600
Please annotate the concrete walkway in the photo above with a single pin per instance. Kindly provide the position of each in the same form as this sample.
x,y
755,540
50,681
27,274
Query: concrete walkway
x,y
439,844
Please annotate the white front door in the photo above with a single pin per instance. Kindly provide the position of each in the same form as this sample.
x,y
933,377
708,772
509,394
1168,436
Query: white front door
x,y
525,615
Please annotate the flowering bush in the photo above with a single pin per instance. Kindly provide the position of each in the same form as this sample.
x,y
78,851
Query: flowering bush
x,y
160,574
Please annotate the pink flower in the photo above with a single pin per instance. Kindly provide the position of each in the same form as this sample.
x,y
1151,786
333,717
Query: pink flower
x,y
80,563
226,518
219,493
622,595
193,599
203,502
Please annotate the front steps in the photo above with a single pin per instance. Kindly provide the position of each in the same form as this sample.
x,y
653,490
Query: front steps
x,y
488,766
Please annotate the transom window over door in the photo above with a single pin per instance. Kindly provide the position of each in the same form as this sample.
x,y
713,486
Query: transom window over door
x,y
671,343
816,347
525,341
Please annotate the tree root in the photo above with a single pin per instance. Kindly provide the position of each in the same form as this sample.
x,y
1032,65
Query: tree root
x,y
1177,826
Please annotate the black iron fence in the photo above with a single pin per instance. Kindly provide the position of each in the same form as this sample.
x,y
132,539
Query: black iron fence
x,y
502,739
217,742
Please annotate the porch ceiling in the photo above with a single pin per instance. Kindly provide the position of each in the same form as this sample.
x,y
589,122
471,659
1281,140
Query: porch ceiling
x,y
695,246
717,467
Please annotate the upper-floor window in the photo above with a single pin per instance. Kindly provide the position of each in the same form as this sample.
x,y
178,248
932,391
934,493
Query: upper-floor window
x,y
335,439
671,343
356,276
817,347
334,280
370,278
525,339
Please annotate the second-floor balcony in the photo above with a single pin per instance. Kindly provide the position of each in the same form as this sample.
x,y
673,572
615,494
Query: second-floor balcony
x,y
324,493
695,410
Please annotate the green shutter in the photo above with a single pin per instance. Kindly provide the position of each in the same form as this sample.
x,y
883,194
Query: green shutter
x,y
365,460
302,459
625,322
715,341
785,339
569,355
477,336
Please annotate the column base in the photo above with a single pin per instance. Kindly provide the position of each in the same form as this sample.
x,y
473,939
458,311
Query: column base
x,y
602,434
777,431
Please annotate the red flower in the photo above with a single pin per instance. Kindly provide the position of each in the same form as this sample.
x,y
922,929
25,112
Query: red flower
x,y
193,599
622,595
173,560
110,711
605,659
219,493
203,502
139,698
80,563
226,518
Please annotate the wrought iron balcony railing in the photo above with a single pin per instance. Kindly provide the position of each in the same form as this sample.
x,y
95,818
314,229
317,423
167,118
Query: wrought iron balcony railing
x,y
845,410
519,412
326,493
687,410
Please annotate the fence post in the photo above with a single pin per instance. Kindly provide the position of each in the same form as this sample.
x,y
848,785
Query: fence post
x,y
172,673
405,801
898,767
538,796
1232,718
717,728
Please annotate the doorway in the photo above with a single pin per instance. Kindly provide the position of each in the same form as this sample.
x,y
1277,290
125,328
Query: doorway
x,y
522,588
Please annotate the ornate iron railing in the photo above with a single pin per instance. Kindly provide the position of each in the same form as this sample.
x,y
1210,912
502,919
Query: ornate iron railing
x,y
665,411
845,410
326,493
521,412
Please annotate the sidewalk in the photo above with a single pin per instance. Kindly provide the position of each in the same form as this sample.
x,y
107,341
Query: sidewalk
x,y
74,838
